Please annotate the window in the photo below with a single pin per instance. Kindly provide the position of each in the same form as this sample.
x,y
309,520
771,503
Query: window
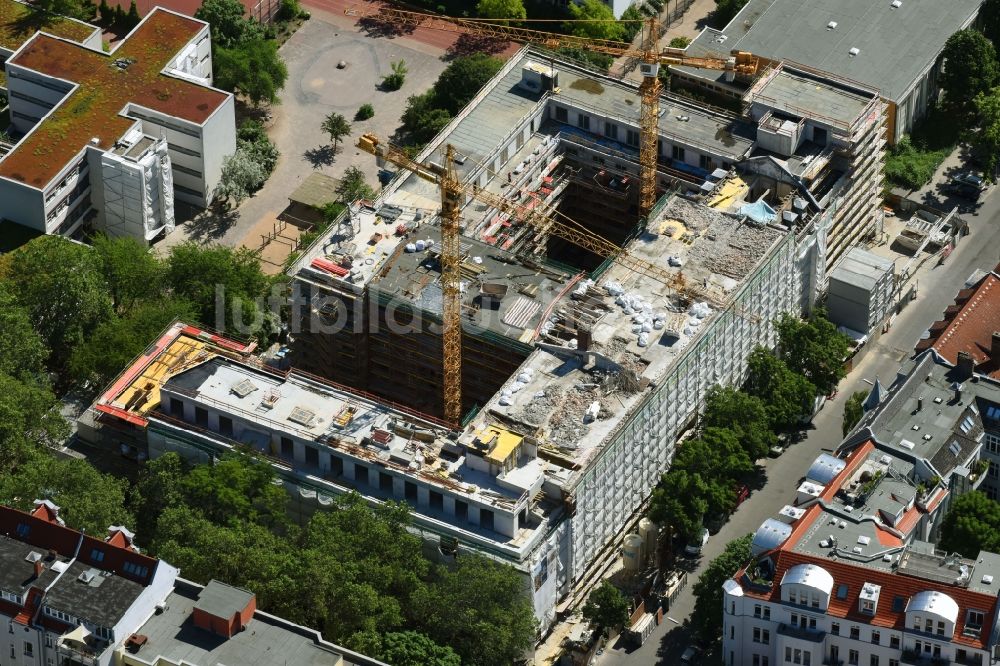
x,y
461,510
767,613
855,632
993,471
410,491
835,628
29,649
437,500
360,473
611,130
705,162
337,466
312,456
287,447
562,115
793,597
226,426
898,604
632,137
842,591
765,637
583,121
756,660
756,635
973,622
677,152
873,660
183,151
852,657
134,569
385,482
757,610
876,638
894,642
929,625
177,407
486,518
23,529
894,662
97,555
940,628
201,416
183,169
814,600
788,653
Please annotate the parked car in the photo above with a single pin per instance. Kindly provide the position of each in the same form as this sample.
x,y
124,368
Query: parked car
x,y
775,451
691,654
695,547
966,184
742,493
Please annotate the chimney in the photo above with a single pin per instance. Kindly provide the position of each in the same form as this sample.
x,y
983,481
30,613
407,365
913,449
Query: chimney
x,y
965,366
995,347
584,338
920,403
39,568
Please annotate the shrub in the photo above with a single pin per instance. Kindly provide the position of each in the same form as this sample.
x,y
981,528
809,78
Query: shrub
x,y
289,10
395,80
365,112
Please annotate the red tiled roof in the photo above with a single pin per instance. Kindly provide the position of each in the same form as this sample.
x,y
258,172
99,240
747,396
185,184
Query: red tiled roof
x,y
893,585
969,325
92,110
47,535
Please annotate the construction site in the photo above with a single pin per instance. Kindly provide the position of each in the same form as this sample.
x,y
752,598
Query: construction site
x,y
514,334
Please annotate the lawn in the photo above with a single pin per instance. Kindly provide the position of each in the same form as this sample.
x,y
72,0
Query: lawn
x,y
913,160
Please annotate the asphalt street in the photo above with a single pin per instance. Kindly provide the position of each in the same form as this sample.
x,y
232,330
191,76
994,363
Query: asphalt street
x,y
937,286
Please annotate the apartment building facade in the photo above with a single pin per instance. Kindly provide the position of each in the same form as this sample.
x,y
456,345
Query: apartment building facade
x,y
114,139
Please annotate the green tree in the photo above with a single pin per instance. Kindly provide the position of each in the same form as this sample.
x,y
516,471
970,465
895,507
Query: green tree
x,y
201,274
462,80
787,396
60,285
970,69
157,489
104,12
28,418
744,414
253,69
133,274
594,20
480,608
632,21
989,14
252,139
715,454
229,26
501,9
115,343
89,500
987,133
22,350
421,119
77,9
814,348
411,648
706,619
133,17
242,175
680,42
336,127
365,111
353,186
972,525
679,502
606,608
853,410
236,489
395,79
725,11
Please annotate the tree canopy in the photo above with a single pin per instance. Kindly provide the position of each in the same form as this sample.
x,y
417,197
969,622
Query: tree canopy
x,y
596,21
501,9
744,414
253,69
970,69
336,127
853,410
813,348
725,11
59,284
787,396
421,119
987,134
28,419
22,350
972,524
353,186
229,25
132,273
606,607
462,80
706,619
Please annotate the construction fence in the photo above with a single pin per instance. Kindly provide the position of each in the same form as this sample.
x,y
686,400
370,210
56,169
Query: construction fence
x,y
265,11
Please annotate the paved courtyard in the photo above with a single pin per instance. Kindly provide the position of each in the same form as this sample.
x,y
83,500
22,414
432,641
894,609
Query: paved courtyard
x,y
315,88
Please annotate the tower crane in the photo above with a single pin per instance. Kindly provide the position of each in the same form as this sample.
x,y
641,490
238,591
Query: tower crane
x,y
453,192
650,57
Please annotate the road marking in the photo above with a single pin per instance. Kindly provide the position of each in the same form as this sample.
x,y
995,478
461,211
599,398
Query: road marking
x,y
672,620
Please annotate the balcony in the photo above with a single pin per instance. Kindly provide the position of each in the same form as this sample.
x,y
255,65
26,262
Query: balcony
x,y
914,658
801,633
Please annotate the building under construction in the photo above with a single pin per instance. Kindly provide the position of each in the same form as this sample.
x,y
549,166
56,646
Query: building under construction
x,y
578,372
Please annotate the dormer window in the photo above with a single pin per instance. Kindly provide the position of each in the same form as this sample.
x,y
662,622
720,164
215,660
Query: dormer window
x,y
868,598
973,622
